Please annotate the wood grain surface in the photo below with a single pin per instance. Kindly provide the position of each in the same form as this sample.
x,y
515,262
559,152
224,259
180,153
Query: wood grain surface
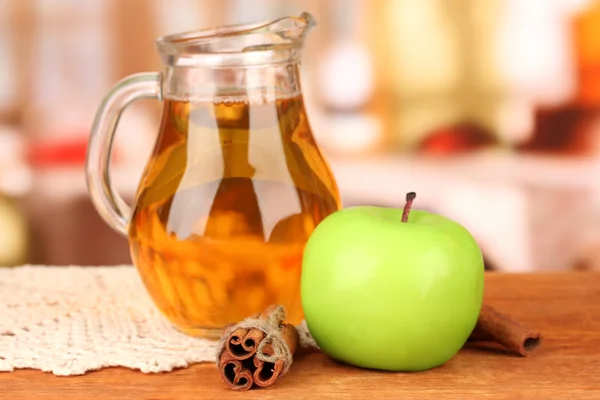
x,y
565,306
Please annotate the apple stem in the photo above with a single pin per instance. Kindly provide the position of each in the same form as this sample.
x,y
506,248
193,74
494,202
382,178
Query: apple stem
x,y
410,196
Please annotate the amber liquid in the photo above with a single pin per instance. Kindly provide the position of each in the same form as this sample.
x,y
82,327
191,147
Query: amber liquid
x,y
228,200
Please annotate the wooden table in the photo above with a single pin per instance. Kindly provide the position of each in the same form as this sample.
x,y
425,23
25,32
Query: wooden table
x,y
564,306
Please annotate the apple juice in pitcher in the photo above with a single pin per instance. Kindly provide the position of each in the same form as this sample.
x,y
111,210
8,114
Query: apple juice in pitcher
x,y
221,219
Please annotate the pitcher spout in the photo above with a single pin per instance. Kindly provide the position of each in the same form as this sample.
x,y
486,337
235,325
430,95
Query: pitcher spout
x,y
289,31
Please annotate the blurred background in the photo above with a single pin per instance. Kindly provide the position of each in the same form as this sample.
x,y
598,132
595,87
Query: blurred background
x,y
488,109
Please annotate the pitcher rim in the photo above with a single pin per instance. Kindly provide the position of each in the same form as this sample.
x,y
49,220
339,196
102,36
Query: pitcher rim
x,y
178,42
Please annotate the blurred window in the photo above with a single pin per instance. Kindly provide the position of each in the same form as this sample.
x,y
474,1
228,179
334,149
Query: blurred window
x,y
72,54
7,64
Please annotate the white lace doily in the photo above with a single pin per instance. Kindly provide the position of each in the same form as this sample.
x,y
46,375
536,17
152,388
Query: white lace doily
x,y
70,320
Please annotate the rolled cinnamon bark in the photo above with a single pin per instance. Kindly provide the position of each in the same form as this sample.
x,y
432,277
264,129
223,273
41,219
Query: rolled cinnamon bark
x,y
494,326
266,372
233,371
257,351
235,344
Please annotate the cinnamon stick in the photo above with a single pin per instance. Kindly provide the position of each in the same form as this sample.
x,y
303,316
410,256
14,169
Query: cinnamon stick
x,y
494,326
235,372
266,372
257,351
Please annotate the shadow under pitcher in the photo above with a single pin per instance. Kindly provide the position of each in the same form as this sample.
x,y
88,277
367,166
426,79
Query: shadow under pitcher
x,y
235,184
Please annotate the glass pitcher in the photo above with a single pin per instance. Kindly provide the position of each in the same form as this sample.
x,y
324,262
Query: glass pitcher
x,y
235,183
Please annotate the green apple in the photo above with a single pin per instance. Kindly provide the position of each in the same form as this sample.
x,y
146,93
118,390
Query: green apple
x,y
391,289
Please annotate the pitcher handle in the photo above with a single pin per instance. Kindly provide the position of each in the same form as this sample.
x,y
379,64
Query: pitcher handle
x,y
109,204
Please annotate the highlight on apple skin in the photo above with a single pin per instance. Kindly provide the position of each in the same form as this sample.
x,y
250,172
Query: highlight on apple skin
x,y
391,289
